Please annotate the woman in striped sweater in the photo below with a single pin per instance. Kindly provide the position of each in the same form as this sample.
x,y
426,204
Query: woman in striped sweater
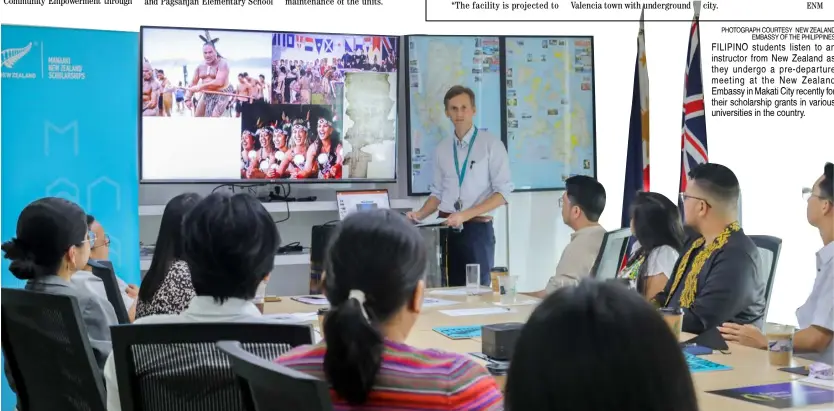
x,y
375,287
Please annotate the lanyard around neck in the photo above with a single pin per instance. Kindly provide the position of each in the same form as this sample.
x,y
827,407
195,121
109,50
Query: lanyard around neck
x,y
461,171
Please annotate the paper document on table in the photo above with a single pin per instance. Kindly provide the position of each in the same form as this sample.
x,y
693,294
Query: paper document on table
x,y
477,311
524,302
818,382
312,300
431,221
292,317
460,291
436,302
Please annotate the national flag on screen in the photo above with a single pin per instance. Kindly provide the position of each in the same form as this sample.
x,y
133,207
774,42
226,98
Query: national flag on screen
x,y
637,162
349,45
284,40
309,44
328,45
387,48
319,44
694,129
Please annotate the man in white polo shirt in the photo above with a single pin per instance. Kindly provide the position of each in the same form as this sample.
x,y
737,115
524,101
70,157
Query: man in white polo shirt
x,y
816,317
471,179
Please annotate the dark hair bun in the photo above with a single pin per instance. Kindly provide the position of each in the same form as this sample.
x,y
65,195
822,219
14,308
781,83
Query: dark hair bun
x,y
26,269
23,264
12,250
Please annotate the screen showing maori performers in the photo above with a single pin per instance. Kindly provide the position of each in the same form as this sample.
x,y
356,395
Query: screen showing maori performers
x,y
224,105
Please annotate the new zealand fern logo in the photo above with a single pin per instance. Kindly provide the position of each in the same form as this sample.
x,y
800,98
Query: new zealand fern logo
x,y
12,56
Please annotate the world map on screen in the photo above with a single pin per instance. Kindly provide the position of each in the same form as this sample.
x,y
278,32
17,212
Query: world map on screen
x,y
550,110
436,63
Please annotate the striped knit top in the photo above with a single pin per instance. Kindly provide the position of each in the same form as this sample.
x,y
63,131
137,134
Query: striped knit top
x,y
412,379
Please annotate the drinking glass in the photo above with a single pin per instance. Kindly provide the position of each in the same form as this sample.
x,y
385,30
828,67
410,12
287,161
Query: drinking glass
x,y
473,279
508,286
779,344
674,319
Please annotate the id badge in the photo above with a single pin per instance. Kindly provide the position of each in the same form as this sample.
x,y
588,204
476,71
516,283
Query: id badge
x,y
458,205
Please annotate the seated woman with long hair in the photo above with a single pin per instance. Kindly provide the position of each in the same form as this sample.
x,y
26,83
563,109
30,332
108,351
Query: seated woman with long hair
x,y
598,347
656,223
166,287
375,287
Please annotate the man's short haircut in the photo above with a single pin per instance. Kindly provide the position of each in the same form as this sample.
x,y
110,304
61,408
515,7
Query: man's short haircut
x,y
456,91
587,194
90,220
229,243
718,181
827,183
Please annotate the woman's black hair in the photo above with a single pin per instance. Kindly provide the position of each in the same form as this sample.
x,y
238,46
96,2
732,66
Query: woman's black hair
x,y
598,347
230,241
168,244
657,222
382,255
46,229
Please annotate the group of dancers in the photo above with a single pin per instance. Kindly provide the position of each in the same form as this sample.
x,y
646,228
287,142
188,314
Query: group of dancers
x,y
315,81
285,150
305,82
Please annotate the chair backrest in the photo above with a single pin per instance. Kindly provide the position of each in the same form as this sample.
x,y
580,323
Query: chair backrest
x,y
177,366
273,387
103,269
319,241
48,356
611,254
769,249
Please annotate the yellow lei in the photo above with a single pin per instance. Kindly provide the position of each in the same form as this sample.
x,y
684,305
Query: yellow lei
x,y
691,285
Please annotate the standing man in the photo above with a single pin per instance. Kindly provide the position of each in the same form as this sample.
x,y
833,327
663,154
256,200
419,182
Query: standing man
x,y
471,179
212,80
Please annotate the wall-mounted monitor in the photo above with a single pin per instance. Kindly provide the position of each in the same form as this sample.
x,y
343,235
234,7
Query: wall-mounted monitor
x,y
227,106
436,63
549,110
537,93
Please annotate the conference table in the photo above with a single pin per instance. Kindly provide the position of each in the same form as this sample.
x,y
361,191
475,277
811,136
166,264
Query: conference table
x,y
749,366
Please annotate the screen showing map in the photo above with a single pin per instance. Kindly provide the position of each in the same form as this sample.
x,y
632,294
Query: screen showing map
x,y
550,110
435,64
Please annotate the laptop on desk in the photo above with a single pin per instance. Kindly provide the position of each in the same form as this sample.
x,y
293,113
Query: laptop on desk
x,y
349,202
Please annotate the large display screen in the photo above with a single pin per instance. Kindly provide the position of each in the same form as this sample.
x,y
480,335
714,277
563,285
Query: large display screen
x,y
435,64
550,110
537,93
225,106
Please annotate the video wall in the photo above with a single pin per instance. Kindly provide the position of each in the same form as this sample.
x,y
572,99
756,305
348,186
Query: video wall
x,y
225,106
537,93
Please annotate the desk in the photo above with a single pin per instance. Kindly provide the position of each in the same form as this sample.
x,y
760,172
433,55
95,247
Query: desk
x,y
750,366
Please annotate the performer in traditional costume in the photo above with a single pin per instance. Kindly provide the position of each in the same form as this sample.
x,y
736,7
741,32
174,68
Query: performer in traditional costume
x,y
212,80
719,278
